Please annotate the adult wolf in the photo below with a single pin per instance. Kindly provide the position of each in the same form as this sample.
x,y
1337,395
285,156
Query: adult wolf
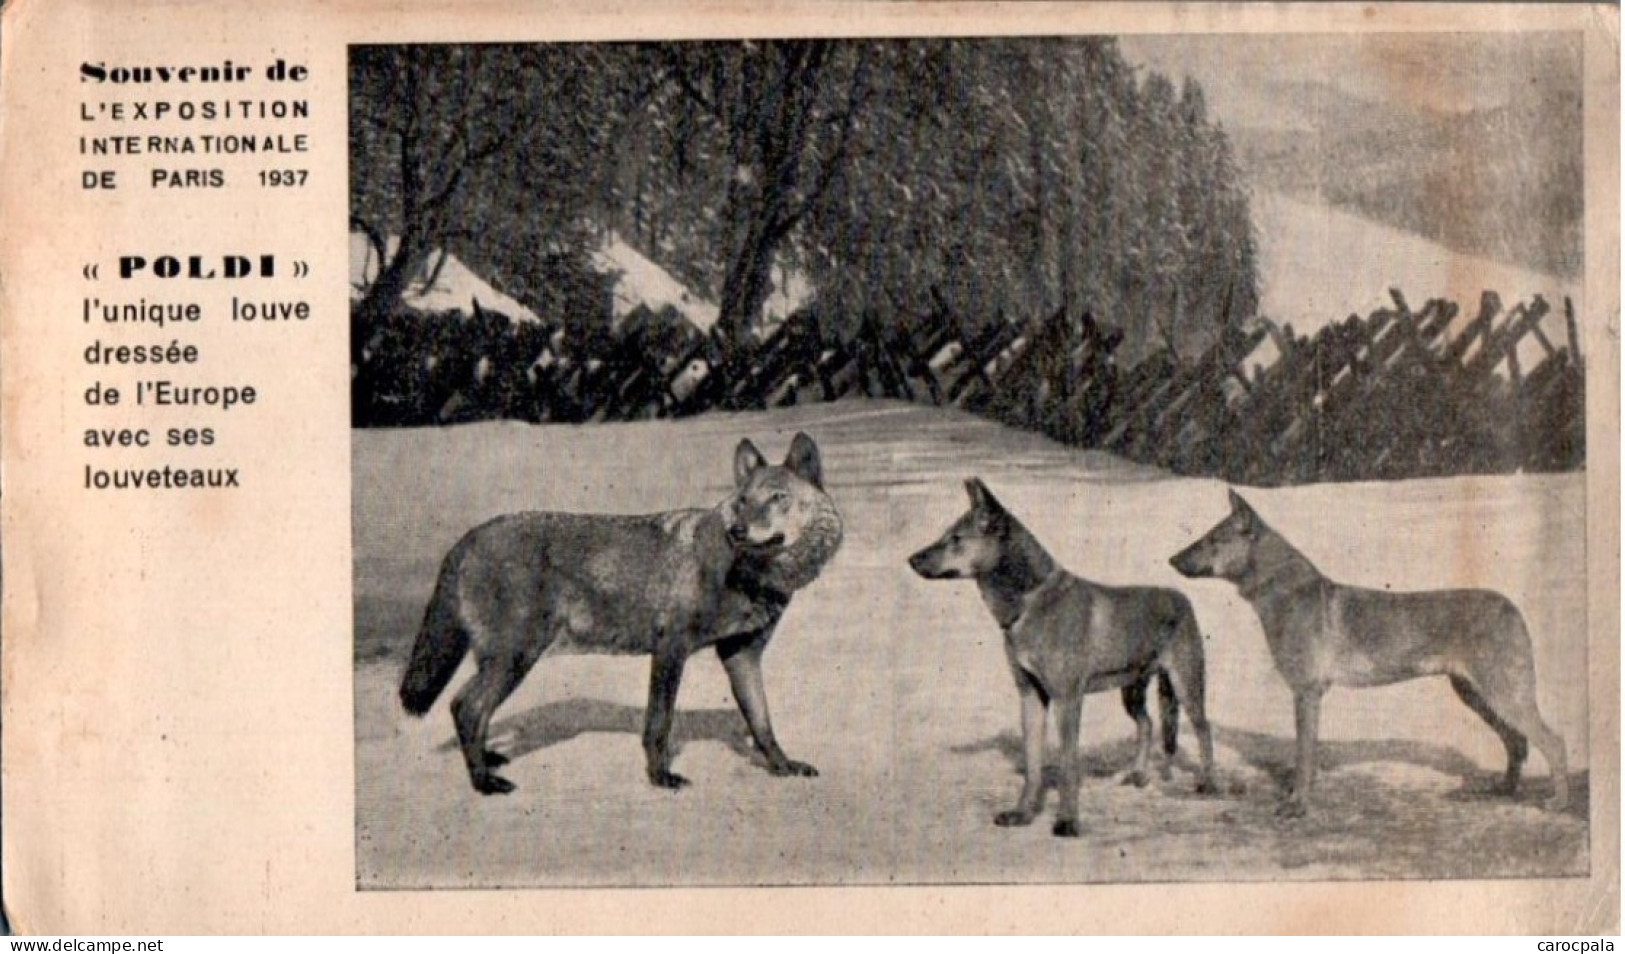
x,y
666,584
1322,634
1064,637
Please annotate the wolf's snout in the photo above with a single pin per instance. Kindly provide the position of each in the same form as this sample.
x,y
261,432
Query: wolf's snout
x,y
927,563
739,534
1185,562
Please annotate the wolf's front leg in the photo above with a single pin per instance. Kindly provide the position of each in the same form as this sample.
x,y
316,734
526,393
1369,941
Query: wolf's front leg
x,y
1070,719
742,657
664,677
1306,711
1031,801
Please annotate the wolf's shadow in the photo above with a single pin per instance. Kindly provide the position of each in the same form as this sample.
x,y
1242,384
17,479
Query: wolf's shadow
x,y
1276,757
1103,760
551,723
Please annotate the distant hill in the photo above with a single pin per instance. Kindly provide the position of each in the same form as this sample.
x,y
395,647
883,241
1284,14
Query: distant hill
x,y
1504,183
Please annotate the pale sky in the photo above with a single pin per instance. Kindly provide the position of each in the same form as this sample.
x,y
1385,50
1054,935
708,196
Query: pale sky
x,y
1244,75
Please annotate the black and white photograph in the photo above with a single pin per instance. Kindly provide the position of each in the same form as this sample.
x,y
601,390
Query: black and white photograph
x,y
1069,459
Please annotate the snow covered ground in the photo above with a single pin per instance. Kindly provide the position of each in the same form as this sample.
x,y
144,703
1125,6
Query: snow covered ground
x,y
455,288
641,281
1320,265
897,688
638,281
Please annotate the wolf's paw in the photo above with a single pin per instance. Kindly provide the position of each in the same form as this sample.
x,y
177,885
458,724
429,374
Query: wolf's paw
x,y
1014,818
1066,828
790,767
489,784
1557,803
495,759
1207,787
1136,778
669,780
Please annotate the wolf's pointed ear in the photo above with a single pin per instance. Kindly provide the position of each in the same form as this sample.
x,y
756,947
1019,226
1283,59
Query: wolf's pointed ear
x,y
803,461
746,460
478,311
1242,508
981,498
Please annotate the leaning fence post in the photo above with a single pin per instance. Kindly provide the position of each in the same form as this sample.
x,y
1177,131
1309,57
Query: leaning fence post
x,y
1574,329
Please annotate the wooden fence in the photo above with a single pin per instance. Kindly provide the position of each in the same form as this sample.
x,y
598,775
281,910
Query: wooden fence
x,y
1397,393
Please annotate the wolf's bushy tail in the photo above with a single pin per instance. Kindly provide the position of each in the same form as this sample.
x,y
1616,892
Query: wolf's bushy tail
x,y
439,649
1170,714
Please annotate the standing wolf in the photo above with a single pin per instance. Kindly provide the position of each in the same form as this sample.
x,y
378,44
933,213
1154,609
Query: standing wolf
x,y
666,584
1065,637
1324,634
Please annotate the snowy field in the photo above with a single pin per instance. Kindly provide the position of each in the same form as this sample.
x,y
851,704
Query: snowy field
x,y
897,688
1320,264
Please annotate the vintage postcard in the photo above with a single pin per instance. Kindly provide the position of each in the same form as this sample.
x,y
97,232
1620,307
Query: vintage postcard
x,y
543,468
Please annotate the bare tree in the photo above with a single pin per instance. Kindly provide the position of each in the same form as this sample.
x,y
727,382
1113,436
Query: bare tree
x,y
427,117
785,111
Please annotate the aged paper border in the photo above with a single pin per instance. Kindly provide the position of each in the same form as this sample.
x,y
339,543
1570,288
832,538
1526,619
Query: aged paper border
x,y
264,844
